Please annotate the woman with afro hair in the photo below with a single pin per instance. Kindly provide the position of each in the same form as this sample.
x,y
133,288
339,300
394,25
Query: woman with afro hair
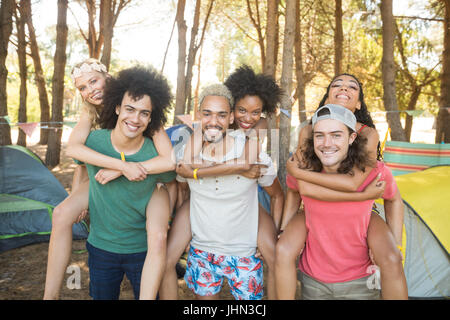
x,y
253,95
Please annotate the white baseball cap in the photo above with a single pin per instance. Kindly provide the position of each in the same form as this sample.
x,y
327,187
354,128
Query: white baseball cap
x,y
335,112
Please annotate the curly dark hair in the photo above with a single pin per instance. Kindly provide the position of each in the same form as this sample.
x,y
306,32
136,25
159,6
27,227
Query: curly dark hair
x,y
244,82
137,81
357,156
362,115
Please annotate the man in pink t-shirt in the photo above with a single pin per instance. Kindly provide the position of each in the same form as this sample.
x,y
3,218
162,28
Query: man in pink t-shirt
x,y
335,262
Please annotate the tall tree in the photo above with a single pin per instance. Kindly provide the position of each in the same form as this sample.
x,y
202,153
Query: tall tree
x,y
388,71
443,117
286,84
7,8
270,63
299,71
416,80
52,156
194,45
270,66
38,71
102,39
338,38
22,56
180,96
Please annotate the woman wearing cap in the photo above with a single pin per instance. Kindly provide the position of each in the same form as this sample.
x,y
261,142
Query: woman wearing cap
x,y
90,77
344,90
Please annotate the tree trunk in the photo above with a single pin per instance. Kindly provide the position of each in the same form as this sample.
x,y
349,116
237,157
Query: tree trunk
x,y
286,84
388,71
256,21
107,29
411,106
271,38
270,64
52,156
22,56
38,72
193,48
7,8
180,97
301,97
338,38
443,117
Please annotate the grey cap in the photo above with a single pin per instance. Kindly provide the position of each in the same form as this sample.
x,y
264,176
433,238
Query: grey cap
x,y
336,112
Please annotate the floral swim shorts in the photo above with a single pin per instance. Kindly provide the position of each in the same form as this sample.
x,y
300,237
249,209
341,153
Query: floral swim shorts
x,y
205,273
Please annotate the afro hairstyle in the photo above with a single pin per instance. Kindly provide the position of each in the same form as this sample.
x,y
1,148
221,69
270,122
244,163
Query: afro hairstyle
x,y
244,82
137,81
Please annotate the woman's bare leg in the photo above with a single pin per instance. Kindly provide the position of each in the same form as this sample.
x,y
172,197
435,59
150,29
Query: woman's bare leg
x,y
288,248
267,238
157,213
60,246
388,257
178,239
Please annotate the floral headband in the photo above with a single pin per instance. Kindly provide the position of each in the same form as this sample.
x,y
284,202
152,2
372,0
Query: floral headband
x,y
88,67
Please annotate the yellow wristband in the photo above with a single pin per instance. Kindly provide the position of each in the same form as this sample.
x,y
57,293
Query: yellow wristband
x,y
122,156
195,174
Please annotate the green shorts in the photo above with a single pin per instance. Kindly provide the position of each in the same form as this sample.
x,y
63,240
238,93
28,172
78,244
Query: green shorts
x,y
358,289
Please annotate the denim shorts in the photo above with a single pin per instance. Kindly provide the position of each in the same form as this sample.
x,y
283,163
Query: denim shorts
x,y
106,271
205,273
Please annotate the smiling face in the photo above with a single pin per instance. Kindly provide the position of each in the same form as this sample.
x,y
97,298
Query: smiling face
x,y
344,91
247,112
91,86
133,115
331,142
216,117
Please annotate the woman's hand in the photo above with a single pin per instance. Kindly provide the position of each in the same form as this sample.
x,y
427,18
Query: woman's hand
x,y
104,176
134,171
254,172
185,170
375,189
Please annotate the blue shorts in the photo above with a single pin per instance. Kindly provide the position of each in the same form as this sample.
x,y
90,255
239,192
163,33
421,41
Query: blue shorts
x,y
106,271
205,273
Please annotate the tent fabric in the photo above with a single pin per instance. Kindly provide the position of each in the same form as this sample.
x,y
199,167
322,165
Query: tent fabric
x,y
426,237
405,157
28,194
427,192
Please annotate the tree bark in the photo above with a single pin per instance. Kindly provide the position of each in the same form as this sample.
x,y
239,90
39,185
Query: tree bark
x,y
180,96
411,106
286,84
388,71
38,72
52,156
107,29
193,48
338,38
443,117
301,97
7,8
271,38
22,57
270,64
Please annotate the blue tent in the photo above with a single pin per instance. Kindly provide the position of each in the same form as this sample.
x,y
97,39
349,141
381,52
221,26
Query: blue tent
x,y
28,194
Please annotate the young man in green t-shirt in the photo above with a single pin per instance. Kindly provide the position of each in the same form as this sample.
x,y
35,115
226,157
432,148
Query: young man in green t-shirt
x,y
117,242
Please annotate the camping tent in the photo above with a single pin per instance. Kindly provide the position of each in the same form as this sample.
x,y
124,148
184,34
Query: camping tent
x,y
426,237
28,194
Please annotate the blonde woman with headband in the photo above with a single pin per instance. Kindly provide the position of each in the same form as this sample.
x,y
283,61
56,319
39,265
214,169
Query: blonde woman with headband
x,y
90,77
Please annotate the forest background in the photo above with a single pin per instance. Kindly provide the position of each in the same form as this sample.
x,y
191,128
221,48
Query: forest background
x,y
399,50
